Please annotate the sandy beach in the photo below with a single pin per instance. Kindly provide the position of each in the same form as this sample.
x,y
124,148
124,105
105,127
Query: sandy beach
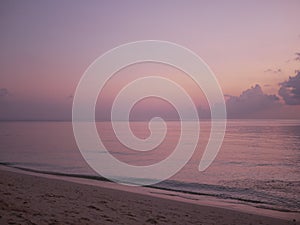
x,y
28,199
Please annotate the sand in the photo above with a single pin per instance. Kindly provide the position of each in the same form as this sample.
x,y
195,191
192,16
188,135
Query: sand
x,y
29,199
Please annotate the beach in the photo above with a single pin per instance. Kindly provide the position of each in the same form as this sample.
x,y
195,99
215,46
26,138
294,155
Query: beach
x,y
30,199
140,112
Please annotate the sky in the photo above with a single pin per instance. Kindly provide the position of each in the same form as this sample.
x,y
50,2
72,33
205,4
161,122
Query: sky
x,y
253,47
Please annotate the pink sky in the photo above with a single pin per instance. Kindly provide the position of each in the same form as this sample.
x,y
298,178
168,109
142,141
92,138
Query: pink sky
x,y
46,47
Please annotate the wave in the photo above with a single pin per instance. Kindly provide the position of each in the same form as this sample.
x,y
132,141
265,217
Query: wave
x,y
84,176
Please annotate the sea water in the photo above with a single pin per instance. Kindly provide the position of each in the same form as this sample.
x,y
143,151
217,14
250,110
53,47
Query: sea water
x,y
258,163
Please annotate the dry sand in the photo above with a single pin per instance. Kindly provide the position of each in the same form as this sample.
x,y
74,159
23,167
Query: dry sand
x,y
27,199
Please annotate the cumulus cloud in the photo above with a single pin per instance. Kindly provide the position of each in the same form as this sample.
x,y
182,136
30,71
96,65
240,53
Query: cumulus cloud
x,y
3,92
290,90
252,100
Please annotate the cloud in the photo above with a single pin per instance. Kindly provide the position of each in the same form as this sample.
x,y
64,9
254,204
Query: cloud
x,y
273,71
290,90
252,100
297,56
3,92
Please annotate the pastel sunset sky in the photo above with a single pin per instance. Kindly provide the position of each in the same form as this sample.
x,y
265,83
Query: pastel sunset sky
x,y
253,47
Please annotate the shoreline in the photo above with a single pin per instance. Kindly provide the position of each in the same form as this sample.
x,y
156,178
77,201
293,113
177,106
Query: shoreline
x,y
203,200
32,199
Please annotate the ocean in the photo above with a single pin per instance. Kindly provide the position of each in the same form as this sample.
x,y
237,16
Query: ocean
x,y
258,163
